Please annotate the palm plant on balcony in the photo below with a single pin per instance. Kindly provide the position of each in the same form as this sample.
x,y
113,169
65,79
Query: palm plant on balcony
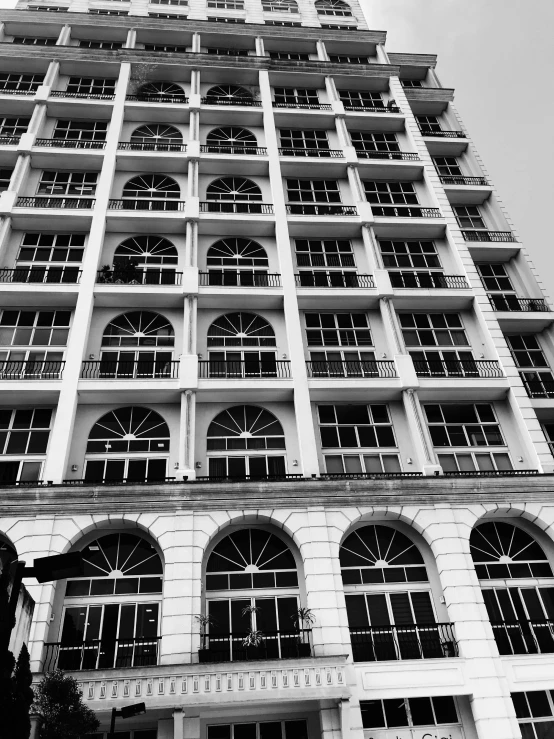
x,y
254,638
204,621
303,619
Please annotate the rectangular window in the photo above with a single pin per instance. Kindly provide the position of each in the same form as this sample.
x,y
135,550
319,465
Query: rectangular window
x,y
100,44
338,329
361,98
182,3
468,216
34,328
49,257
227,20
258,466
265,730
31,41
48,8
409,255
5,177
347,59
91,86
494,277
103,11
290,56
67,183
433,329
300,139
428,124
392,198
226,52
162,47
411,83
447,166
355,426
171,16
365,141
279,6
80,130
399,712
296,96
334,10
24,431
535,371
20,82
313,191
535,713
289,24
324,253
463,425
13,126
548,429
226,4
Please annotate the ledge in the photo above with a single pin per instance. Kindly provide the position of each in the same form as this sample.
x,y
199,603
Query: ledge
x,y
413,60
428,94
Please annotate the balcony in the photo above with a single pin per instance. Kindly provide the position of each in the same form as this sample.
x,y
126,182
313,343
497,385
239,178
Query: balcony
x,y
538,388
523,305
124,481
489,473
42,275
70,203
139,277
8,91
421,641
367,475
146,204
252,369
443,134
486,236
101,654
70,143
238,279
303,106
320,153
130,370
274,645
320,209
231,101
396,155
9,140
213,206
176,99
31,369
404,211
82,95
462,180
151,146
321,278
524,637
256,151
352,369
371,108
248,478
427,280
483,368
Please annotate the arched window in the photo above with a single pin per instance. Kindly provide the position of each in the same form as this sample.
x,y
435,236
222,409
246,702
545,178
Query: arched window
x,y
111,613
252,585
151,186
280,6
137,345
231,140
333,7
147,260
239,439
158,137
242,331
128,443
236,261
387,621
519,613
162,90
228,94
233,188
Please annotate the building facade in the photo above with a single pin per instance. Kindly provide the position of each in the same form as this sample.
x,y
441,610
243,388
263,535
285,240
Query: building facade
x,y
275,361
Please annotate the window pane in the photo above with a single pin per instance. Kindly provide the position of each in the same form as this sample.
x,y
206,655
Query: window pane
x,y
422,711
445,710
395,711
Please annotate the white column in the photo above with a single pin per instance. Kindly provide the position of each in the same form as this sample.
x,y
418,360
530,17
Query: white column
x,y
187,428
391,325
321,51
178,724
131,41
331,724
65,36
260,51
426,460
372,250
331,89
5,233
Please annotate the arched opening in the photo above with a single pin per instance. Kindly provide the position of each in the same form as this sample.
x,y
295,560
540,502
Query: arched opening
x,y
521,614
138,344
233,189
333,7
231,140
228,94
129,443
280,6
389,600
110,616
145,260
246,441
151,192
238,262
246,346
162,92
157,137
252,600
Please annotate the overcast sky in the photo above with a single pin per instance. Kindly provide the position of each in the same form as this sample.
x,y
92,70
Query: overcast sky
x,y
497,54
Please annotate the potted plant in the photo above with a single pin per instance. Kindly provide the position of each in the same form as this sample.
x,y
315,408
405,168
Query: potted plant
x,y
254,638
303,620
204,621
126,272
106,274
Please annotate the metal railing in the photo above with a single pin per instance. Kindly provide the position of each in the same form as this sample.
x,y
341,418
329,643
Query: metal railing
x,y
7,91
413,641
101,654
43,274
82,95
458,368
444,134
320,278
9,140
253,208
351,368
31,369
519,305
259,151
56,202
538,388
367,475
320,209
372,108
158,99
303,106
228,278
150,146
246,370
404,211
70,143
427,280
130,370
488,235
304,152
139,277
124,481
488,473
401,155
453,179
231,101
230,647
524,637
146,204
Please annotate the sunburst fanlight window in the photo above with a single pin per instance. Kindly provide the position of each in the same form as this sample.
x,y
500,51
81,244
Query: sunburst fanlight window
x,y
251,558
151,186
501,550
154,133
241,329
118,564
245,427
129,429
233,188
231,136
146,251
229,92
380,554
161,89
333,7
139,328
282,6
237,253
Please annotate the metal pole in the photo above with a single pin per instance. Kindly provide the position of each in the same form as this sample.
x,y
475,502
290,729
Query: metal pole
x,y
112,724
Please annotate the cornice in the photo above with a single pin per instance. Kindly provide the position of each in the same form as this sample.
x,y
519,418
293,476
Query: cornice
x,y
413,60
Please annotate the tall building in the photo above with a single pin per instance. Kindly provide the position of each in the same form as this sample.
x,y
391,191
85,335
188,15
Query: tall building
x,y
275,361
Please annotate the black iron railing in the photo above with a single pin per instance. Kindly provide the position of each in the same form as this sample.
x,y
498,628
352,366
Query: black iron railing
x,y
443,134
401,155
258,151
124,481
320,209
417,641
253,208
524,637
458,368
31,369
149,276
151,146
82,95
304,152
427,280
43,274
126,370
9,140
56,202
146,204
489,473
367,475
352,368
538,388
322,278
521,305
101,654
404,211
6,91
462,180
372,108
178,100
228,278
70,143
488,235
249,478
304,106
231,101
274,645
251,369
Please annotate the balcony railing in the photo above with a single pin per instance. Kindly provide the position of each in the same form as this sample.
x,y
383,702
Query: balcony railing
x,y
251,369
372,108
320,278
274,645
147,204
303,106
253,208
45,274
488,235
125,481
524,637
427,280
7,91
150,146
367,475
158,99
538,388
82,95
231,101
228,278
101,654
452,179
443,134
70,143
352,368
404,211
31,369
421,641
56,202
139,277
130,370
258,151
488,473
304,152
320,209
458,368
519,305
400,155
248,478
9,140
